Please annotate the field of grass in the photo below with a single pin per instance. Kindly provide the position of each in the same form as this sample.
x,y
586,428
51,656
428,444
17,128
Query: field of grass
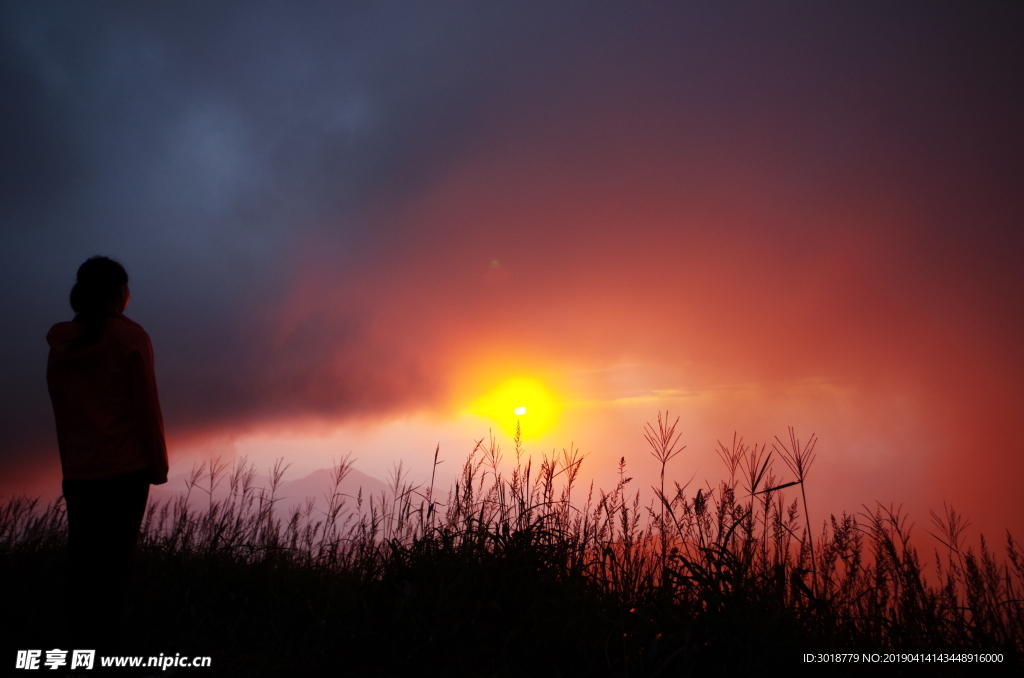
x,y
527,574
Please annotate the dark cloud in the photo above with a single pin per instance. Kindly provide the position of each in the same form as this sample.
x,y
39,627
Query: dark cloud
x,y
198,145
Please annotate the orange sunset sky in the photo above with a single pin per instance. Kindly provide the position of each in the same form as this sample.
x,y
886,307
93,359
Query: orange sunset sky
x,y
377,229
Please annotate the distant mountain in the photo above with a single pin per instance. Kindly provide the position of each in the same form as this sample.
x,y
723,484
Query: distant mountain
x,y
318,483
290,494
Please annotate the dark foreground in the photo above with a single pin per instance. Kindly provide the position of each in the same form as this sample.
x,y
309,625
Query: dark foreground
x,y
514,576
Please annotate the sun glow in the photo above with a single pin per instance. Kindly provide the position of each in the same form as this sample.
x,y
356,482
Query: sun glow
x,y
522,400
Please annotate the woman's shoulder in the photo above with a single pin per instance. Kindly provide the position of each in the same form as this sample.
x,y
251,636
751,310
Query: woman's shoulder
x,y
118,334
64,335
128,330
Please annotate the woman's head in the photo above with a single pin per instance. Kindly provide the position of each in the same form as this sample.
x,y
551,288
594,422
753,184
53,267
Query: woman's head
x,y
100,288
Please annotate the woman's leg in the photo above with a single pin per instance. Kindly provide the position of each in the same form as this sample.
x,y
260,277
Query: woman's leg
x,y
104,517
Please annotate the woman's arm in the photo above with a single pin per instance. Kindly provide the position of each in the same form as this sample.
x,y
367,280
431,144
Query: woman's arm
x,y
150,419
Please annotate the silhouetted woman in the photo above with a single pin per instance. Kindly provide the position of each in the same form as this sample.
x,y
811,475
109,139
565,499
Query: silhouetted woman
x,y
111,440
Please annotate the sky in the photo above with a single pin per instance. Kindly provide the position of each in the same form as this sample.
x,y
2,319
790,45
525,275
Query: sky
x,y
376,227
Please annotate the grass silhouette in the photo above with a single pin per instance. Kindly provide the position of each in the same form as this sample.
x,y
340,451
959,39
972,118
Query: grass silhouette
x,y
512,574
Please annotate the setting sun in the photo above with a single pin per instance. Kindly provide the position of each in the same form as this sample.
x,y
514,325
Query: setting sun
x,y
522,400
